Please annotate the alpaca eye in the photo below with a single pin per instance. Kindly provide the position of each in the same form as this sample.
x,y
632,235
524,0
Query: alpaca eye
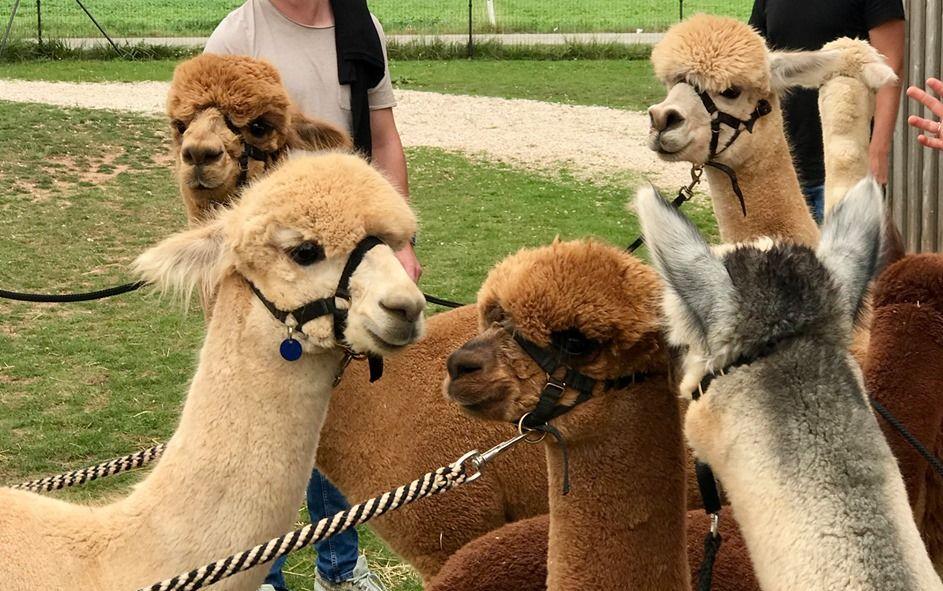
x,y
259,128
307,253
731,93
179,125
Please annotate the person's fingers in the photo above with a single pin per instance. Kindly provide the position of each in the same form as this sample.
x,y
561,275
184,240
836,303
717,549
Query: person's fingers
x,y
935,85
926,100
931,142
932,127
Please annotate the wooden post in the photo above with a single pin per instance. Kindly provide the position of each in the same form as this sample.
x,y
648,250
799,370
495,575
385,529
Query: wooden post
x,y
916,179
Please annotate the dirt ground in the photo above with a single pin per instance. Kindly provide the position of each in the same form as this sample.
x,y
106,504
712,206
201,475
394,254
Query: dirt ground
x,y
587,141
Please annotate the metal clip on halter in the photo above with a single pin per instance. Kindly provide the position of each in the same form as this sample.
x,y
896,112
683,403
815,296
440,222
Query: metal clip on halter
x,y
479,460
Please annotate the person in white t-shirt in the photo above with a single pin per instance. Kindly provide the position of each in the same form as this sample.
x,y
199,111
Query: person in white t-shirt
x,y
298,37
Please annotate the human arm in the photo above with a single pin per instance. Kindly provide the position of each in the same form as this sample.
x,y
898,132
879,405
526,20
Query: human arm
x,y
389,158
931,138
888,39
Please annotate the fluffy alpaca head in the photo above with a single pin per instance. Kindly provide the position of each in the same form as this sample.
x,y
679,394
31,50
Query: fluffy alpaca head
x,y
290,236
217,104
728,60
736,300
582,291
860,60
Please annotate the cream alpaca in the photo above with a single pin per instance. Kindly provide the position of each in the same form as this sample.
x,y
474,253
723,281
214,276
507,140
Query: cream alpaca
x,y
846,106
729,61
234,469
786,423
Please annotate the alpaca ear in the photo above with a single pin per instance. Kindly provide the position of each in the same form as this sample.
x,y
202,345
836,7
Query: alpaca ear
x,y
697,280
850,247
186,259
801,68
307,133
878,74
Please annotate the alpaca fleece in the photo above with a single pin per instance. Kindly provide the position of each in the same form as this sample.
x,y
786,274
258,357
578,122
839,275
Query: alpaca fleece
x,y
904,372
244,447
713,54
514,558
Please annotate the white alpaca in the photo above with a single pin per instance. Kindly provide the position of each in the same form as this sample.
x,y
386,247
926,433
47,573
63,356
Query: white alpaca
x,y
785,423
846,106
234,470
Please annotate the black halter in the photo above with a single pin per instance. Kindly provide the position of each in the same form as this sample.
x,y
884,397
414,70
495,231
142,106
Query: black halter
x,y
250,151
327,307
719,118
550,359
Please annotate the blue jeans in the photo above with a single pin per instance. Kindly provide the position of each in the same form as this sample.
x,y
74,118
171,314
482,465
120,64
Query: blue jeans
x,y
815,198
337,555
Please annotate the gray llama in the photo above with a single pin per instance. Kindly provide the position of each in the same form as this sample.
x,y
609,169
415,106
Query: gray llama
x,y
784,418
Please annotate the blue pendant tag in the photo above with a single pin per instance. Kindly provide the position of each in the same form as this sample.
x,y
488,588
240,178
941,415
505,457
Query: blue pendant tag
x,y
290,349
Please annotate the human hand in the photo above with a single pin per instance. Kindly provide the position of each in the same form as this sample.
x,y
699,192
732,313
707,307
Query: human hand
x,y
407,258
932,137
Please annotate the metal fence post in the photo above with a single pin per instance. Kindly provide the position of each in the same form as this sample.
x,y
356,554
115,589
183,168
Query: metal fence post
x,y
680,10
39,23
471,40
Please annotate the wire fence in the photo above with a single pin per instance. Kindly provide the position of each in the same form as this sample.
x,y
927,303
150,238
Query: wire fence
x,y
65,19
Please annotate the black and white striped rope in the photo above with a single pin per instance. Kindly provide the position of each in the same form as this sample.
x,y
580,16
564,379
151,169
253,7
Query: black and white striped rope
x,y
432,483
109,468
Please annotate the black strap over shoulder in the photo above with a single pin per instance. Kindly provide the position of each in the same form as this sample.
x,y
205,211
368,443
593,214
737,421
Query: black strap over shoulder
x,y
360,63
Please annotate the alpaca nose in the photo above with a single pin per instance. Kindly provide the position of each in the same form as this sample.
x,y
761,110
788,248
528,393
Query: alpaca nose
x,y
403,307
464,362
198,155
665,118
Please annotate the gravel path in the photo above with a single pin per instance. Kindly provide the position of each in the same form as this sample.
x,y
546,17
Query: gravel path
x,y
590,141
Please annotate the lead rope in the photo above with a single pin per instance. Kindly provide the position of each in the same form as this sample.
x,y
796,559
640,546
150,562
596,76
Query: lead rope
x,y
432,483
710,498
109,468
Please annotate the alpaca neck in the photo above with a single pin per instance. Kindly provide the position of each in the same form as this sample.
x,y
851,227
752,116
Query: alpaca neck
x,y
235,470
846,106
813,485
622,524
774,202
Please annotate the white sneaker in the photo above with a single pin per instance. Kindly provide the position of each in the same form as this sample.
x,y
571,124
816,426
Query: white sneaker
x,y
363,579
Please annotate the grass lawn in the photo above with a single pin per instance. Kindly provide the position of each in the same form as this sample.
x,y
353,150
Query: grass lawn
x,y
133,18
83,192
624,84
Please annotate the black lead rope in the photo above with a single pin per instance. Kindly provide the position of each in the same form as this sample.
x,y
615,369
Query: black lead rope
x,y
710,498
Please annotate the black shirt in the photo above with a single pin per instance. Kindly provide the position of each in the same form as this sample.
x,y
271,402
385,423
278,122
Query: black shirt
x,y
807,25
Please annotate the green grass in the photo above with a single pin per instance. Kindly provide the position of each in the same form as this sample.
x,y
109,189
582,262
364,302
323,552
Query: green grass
x,y
133,18
624,84
83,192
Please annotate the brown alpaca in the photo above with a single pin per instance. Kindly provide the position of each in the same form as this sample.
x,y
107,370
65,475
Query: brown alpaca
x,y
218,105
904,370
625,448
514,558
